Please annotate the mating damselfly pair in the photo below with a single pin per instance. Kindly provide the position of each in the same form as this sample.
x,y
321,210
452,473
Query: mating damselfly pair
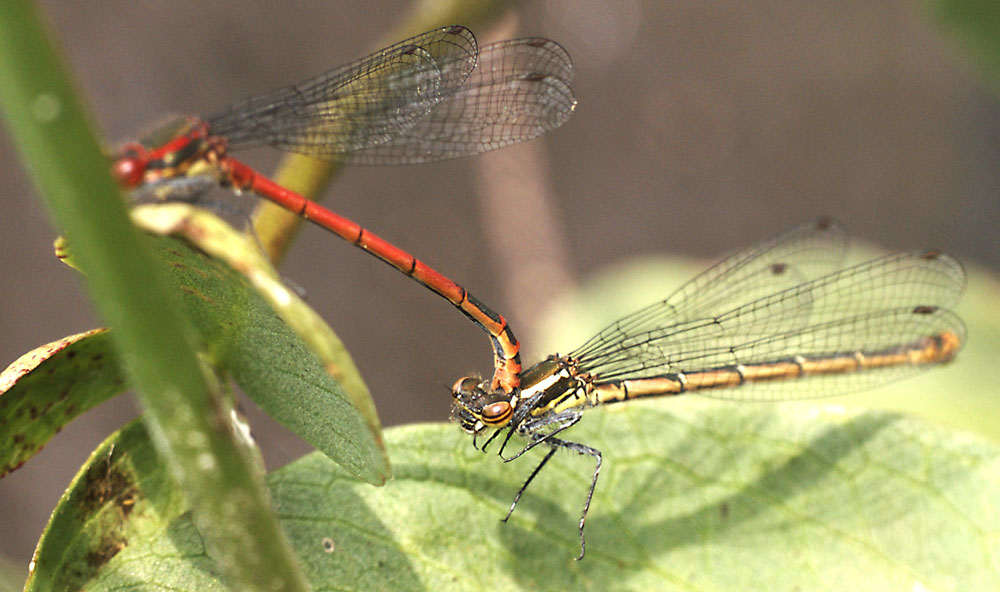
x,y
782,320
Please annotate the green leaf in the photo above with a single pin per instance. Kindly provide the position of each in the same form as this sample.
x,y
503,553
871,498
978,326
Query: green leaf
x,y
280,352
48,387
237,316
694,494
122,494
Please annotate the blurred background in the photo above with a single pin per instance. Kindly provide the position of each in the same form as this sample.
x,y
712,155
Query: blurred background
x,y
701,127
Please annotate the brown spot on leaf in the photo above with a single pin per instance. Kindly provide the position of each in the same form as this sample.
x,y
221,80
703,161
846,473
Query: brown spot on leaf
x,y
193,292
110,545
105,483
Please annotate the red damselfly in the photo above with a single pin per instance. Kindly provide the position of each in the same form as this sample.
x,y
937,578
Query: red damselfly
x,y
781,321
432,97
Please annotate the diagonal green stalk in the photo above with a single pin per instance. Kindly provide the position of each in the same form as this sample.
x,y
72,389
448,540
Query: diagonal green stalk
x,y
183,407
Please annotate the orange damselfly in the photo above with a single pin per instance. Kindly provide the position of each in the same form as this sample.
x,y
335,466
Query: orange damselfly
x,y
780,321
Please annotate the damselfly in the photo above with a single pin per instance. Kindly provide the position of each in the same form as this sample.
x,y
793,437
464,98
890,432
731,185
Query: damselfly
x,y
432,97
780,321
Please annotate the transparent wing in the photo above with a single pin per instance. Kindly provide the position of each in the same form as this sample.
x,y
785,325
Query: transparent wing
x,y
519,90
358,105
791,259
892,304
433,97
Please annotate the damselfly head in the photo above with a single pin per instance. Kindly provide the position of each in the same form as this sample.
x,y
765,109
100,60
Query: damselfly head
x,y
171,152
130,165
477,407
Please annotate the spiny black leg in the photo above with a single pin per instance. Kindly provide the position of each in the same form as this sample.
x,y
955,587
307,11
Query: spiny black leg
x,y
568,419
520,413
590,494
581,449
528,482
490,439
555,444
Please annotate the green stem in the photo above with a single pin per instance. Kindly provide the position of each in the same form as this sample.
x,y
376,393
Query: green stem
x,y
183,408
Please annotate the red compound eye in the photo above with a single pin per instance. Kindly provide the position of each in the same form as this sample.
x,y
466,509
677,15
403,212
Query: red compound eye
x,y
130,167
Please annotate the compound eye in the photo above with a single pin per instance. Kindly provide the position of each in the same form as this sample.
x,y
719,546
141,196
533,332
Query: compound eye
x,y
498,413
130,167
467,384
127,172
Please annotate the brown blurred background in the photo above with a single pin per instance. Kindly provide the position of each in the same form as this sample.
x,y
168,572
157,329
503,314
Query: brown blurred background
x,y
701,127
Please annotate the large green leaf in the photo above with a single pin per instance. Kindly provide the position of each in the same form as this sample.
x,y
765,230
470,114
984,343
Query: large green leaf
x,y
122,494
694,494
279,351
